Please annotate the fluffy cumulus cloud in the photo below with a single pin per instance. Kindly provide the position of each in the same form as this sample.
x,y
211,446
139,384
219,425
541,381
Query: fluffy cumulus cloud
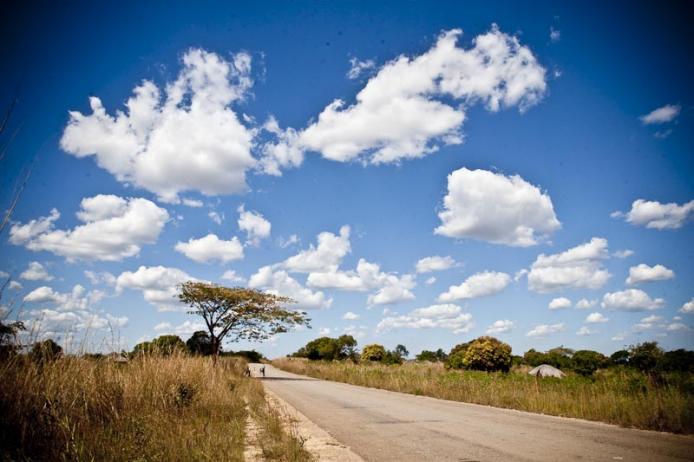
x,y
578,267
543,330
434,263
279,282
78,299
649,322
661,115
158,285
210,248
36,272
496,208
54,312
350,316
559,303
501,326
389,287
445,316
645,273
478,285
594,318
186,138
584,304
655,215
326,256
114,228
688,307
254,225
358,67
584,330
414,105
232,276
631,300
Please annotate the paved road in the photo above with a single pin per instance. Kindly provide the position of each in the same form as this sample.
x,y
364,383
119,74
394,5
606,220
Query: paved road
x,y
385,426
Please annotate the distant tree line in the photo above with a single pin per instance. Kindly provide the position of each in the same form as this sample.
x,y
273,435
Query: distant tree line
x,y
199,344
490,354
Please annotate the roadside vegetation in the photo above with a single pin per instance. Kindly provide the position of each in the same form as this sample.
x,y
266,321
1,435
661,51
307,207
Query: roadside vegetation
x,y
642,387
166,400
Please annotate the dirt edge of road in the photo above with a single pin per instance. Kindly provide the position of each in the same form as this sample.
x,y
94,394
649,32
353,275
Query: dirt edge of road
x,y
318,442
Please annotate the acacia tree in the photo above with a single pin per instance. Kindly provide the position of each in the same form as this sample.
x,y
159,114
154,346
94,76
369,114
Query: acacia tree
x,y
239,313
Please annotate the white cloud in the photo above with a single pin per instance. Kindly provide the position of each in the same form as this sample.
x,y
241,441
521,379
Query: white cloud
x,y
78,299
230,275
216,217
594,318
584,330
623,253
619,337
434,263
493,207
559,303
430,280
211,247
323,331
543,330
446,316
187,328
14,285
631,300
649,322
195,203
350,316
291,240
389,287
114,228
412,106
661,115
159,285
500,327
645,273
254,224
103,277
36,272
655,215
186,140
478,285
163,327
279,282
578,267
554,34
677,327
688,307
584,304
325,257
359,67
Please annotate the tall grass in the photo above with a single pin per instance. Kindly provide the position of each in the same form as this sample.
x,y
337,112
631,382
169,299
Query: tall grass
x,y
618,396
153,408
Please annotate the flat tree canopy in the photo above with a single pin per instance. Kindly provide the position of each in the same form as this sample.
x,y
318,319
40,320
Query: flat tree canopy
x,y
239,313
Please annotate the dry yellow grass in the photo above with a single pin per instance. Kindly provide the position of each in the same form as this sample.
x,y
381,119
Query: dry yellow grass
x,y
619,396
153,408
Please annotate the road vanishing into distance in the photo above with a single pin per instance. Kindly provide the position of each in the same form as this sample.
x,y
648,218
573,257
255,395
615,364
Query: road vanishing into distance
x,y
380,425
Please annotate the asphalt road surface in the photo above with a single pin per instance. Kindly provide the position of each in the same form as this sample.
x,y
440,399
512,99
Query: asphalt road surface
x,y
380,425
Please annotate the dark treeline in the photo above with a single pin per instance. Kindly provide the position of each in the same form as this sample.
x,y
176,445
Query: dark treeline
x,y
490,354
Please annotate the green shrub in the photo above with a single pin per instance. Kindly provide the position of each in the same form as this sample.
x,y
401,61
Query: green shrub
x,y
488,354
586,362
373,352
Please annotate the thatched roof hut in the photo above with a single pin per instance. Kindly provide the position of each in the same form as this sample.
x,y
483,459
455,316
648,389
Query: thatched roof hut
x,y
545,370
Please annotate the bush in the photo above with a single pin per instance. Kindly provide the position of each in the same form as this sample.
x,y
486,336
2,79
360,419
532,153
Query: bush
x,y
646,356
200,343
373,352
585,362
619,358
488,354
47,350
678,361
433,356
329,349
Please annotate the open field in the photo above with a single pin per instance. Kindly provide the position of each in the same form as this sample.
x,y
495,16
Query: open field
x,y
618,396
153,408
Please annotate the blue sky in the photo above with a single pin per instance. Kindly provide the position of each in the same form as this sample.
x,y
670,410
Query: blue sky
x,y
545,155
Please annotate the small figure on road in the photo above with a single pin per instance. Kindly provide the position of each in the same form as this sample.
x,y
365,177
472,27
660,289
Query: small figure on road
x,y
262,370
247,373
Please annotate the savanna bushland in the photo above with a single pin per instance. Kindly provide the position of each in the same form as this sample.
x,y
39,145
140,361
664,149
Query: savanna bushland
x,y
643,387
